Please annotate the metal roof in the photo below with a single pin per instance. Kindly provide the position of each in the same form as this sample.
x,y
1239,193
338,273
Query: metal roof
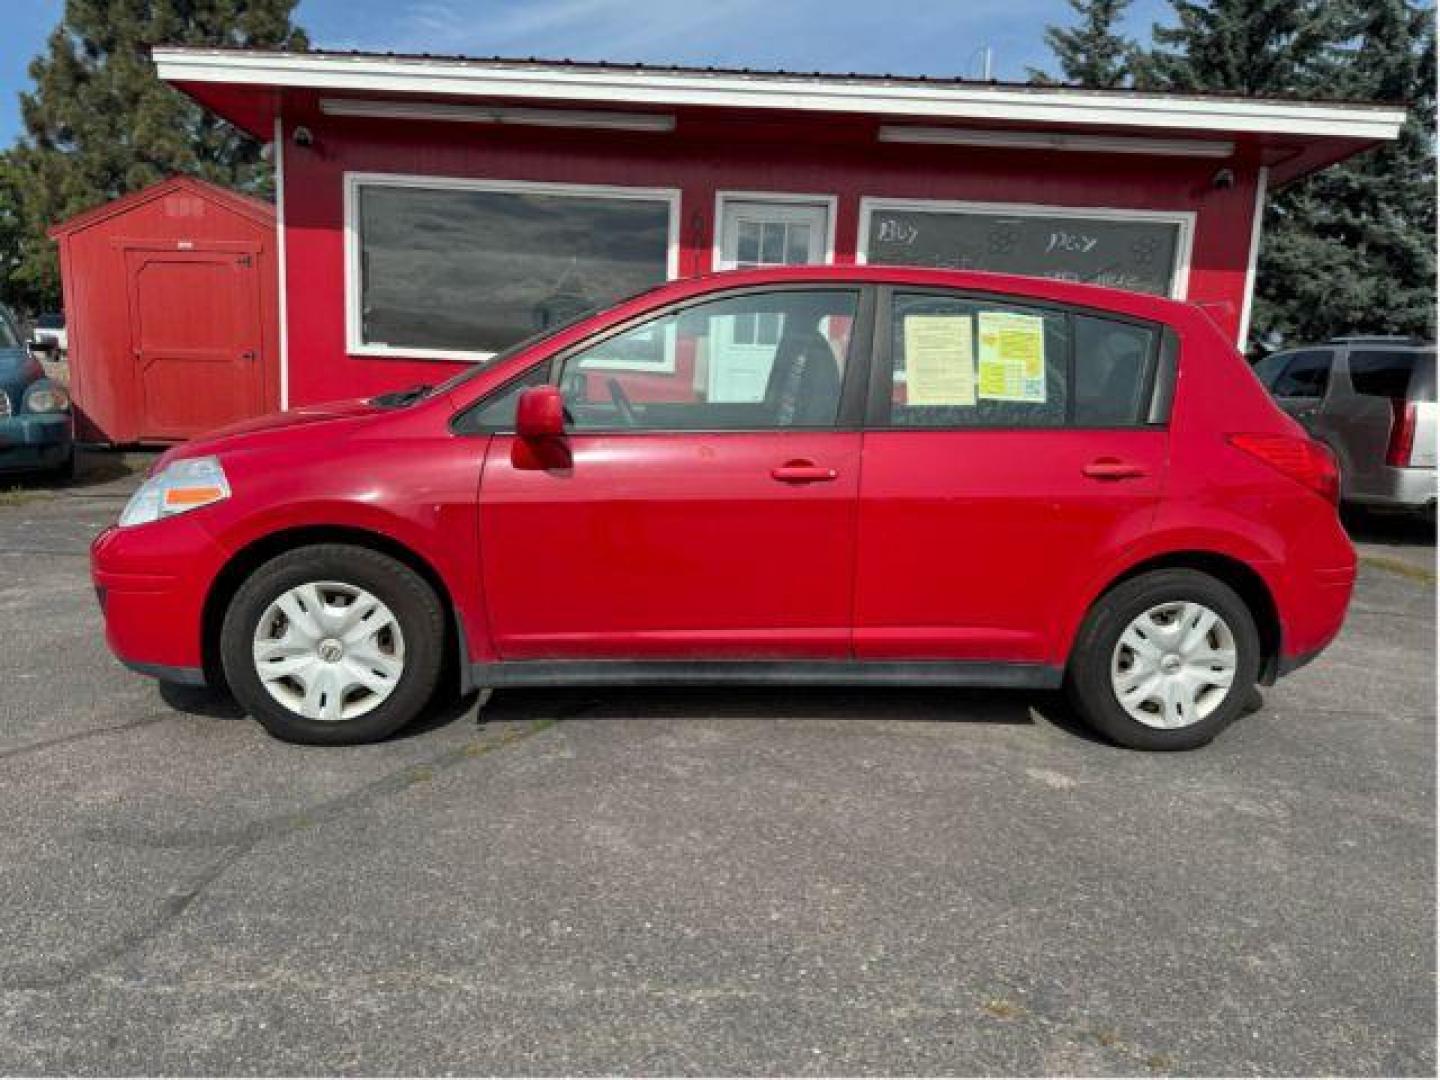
x,y
650,85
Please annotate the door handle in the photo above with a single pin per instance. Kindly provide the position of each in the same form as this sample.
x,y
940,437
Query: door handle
x,y
1113,469
803,472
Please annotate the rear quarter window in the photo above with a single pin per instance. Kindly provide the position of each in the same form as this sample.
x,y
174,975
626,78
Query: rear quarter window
x,y
1393,373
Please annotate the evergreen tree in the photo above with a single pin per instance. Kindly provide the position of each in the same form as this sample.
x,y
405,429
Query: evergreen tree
x,y
1092,53
99,124
1352,249
1255,48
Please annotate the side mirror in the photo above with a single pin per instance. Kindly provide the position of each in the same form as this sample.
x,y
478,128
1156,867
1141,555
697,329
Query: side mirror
x,y
540,414
540,427
41,345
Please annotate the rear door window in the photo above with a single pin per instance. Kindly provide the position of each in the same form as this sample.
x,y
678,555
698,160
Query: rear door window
x,y
1393,373
962,362
1307,375
1113,361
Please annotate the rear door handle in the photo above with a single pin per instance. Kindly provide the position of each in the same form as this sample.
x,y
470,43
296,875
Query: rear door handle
x,y
1113,469
803,472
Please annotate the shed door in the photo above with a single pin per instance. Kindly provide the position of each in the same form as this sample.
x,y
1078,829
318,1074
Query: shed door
x,y
196,336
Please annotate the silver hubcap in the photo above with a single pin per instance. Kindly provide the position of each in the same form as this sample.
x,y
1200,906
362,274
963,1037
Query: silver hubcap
x,y
329,651
1174,665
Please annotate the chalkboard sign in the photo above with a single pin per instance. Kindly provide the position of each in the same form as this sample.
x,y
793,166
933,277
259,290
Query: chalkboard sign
x,y
1135,254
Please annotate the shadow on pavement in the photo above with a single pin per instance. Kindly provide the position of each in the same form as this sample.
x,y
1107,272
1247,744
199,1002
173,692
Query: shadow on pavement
x,y
850,704
1398,529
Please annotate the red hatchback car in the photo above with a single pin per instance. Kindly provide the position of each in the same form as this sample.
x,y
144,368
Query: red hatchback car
x,y
803,475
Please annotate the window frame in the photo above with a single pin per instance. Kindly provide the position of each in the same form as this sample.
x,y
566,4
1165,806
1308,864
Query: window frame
x,y
1185,219
1156,397
353,182
853,380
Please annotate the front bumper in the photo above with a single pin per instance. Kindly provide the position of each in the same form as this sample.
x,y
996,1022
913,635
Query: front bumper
x,y
152,582
35,441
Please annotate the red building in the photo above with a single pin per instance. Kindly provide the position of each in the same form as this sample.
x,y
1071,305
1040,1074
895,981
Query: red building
x,y
172,312
433,211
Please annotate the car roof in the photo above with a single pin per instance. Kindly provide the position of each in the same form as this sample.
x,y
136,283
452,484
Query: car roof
x,y
1122,301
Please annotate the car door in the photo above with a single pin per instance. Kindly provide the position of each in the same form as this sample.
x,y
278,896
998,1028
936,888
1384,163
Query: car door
x,y
686,524
1300,389
1009,448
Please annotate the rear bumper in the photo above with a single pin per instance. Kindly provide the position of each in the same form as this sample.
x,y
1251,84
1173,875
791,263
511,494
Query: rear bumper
x,y
35,442
1402,489
1312,612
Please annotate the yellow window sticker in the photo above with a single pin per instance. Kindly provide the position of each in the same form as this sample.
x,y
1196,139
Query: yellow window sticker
x,y
1012,357
939,360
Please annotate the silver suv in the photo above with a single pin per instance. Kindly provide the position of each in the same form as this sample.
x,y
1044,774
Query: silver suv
x,y
1372,400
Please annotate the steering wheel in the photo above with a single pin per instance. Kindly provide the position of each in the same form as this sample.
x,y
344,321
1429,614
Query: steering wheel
x,y
622,402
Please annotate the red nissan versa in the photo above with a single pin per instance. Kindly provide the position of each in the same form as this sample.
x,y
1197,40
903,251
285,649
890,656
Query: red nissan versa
x,y
801,475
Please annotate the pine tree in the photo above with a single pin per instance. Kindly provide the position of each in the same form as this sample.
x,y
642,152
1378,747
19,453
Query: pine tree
x,y
1255,48
1093,53
1352,249
99,124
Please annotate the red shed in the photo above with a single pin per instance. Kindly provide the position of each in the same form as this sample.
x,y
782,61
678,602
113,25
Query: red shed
x,y
435,210
171,309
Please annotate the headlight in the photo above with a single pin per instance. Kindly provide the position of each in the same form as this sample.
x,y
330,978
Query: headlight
x,y
46,397
187,484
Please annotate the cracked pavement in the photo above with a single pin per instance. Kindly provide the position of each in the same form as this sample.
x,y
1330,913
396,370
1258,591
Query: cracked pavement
x,y
709,881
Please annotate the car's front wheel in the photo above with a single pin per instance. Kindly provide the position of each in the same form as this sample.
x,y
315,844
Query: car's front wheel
x,y
1165,661
333,644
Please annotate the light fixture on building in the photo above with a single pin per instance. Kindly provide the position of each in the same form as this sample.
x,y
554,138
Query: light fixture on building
x,y
490,114
1056,140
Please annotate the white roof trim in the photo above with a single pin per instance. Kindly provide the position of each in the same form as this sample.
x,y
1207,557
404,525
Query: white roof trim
x,y
951,101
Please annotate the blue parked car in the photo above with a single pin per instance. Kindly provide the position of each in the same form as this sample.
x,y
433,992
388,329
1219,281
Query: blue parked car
x,y
37,432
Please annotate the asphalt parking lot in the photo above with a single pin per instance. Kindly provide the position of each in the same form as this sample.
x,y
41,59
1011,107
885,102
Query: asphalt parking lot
x,y
709,881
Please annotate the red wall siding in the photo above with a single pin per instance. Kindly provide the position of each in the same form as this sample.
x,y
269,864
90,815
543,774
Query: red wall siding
x,y
818,156
95,280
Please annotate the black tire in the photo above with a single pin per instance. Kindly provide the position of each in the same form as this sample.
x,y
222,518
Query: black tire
x,y
1088,676
65,471
406,593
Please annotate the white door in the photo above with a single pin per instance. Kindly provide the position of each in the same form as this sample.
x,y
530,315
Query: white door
x,y
752,234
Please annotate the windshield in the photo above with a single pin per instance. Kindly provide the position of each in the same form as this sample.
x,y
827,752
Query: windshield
x,y
9,338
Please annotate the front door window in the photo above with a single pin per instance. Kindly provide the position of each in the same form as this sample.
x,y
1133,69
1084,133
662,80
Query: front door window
x,y
798,366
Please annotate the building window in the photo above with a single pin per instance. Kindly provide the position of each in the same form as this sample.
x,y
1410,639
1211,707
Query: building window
x,y
460,269
1144,251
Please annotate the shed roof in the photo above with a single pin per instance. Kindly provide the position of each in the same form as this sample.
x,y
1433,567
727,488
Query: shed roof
x,y
256,209
245,86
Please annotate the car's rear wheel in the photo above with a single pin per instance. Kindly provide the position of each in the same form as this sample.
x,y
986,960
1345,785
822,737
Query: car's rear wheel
x,y
1165,661
333,644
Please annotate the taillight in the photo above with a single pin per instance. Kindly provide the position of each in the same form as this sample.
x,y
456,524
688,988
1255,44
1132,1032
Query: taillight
x,y
1303,460
1402,433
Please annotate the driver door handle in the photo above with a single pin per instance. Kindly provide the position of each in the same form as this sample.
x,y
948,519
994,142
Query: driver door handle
x,y
803,472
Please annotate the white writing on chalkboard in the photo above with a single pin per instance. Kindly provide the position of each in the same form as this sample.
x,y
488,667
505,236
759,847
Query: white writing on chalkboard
x,y
892,231
1138,254
1065,241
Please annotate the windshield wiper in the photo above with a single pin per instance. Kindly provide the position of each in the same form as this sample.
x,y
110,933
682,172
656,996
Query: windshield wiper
x,y
398,399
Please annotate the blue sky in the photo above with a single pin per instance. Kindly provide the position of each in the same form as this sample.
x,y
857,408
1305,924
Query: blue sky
x,y
910,37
